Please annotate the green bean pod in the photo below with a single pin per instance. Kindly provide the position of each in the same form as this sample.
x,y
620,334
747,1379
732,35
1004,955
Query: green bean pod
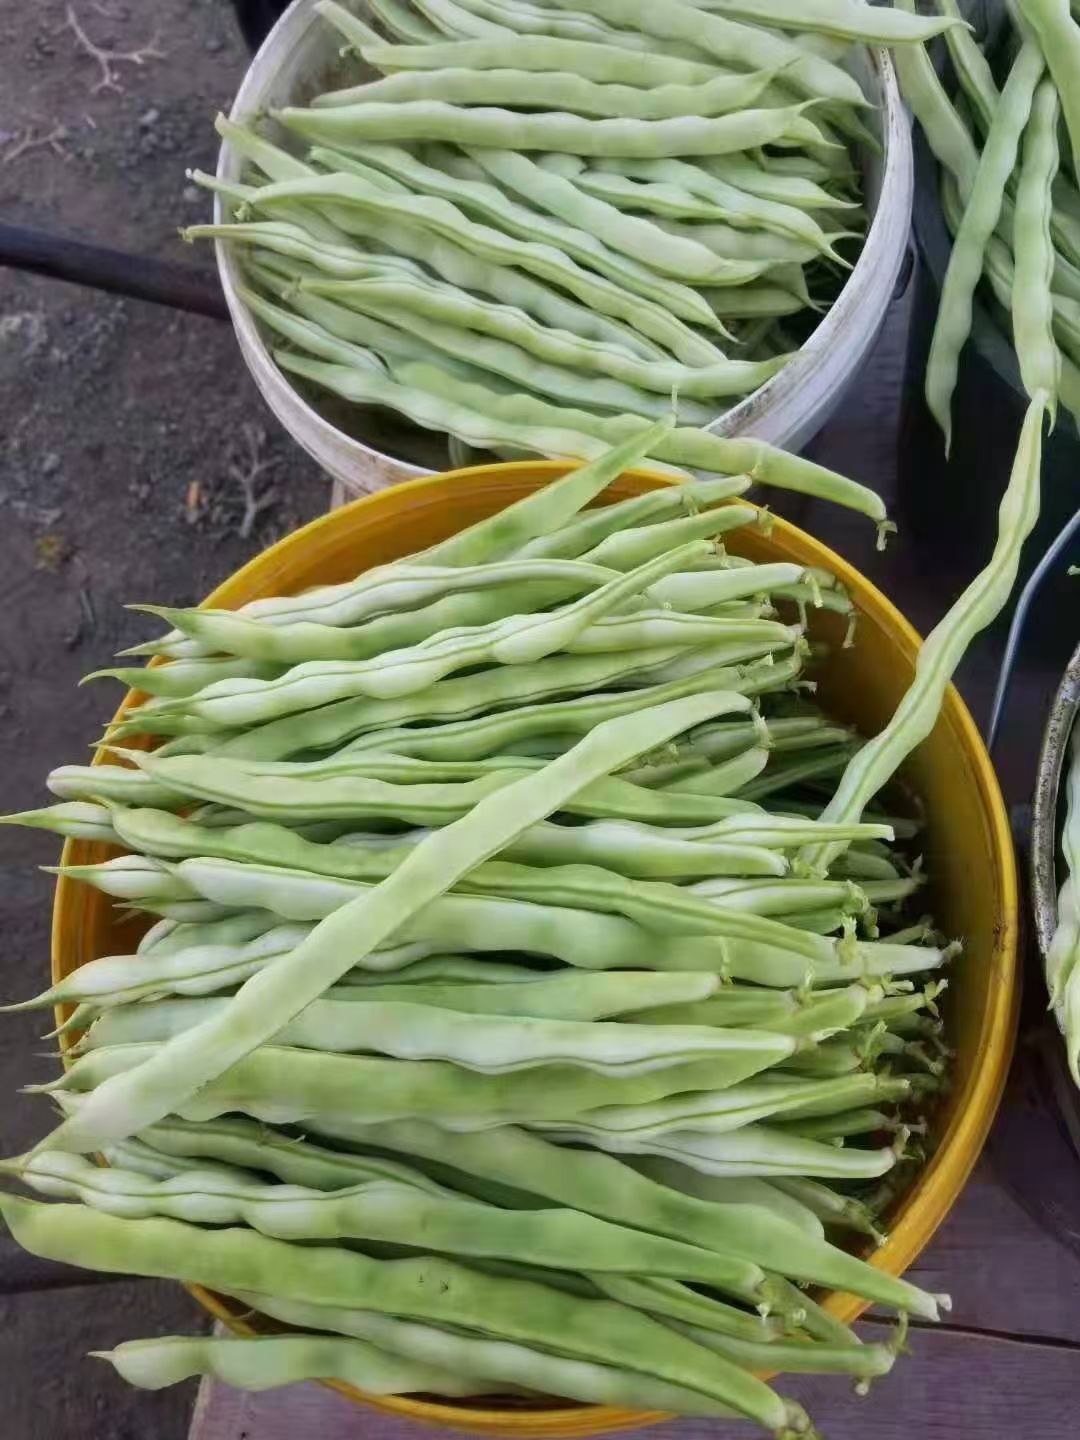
x,y
265,1362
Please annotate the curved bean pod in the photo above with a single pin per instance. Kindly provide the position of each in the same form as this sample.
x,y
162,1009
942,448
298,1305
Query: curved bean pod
x,y
285,1086
357,125
265,1362
81,819
434,251
397,333
604,63
1032,310
877,761
696,449
981,216
718,95
844,19
484,1044
1058,37
750,1150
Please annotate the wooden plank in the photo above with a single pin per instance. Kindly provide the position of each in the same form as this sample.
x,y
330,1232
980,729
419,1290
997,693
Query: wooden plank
x,y
951,1385
1004,1272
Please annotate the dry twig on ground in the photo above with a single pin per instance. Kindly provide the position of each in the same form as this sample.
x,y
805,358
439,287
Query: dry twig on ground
x,y
108,60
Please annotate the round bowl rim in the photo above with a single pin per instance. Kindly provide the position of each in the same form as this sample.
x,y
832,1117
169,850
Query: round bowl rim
x,y
939,1183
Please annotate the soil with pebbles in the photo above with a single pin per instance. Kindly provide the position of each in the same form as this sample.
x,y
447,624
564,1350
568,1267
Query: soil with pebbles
x,y
137,462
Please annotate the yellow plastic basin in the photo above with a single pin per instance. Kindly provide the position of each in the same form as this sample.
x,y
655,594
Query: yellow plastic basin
x,y
968,854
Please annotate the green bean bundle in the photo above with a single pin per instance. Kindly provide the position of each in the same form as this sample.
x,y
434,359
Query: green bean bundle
x,y
582,210
494,1002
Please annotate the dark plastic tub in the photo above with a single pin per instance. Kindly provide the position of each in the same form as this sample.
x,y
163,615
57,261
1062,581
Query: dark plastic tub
x,y
949,506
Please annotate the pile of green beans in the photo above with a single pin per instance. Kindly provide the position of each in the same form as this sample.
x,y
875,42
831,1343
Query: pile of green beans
x,y
492,1033
526,225
1009,197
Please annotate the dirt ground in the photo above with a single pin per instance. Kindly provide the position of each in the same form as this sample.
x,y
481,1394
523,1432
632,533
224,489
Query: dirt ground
x,y
136,462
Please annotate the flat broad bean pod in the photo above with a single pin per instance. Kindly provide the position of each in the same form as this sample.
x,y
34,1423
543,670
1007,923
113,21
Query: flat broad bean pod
x,y
562,995
186,676
586,530
337,793
457,697
1033,311
729,1190
1054,27
591,60
644,852
420,398
841,19
403,22
236,929
830,1206
406,1030
399,337
718,95
356,125
576,883
790,1011
471,555
672,1299
293,642
285,1085
193,970
268,1361
706,1113
796,1356
460,267
750,1150
81,819
235,1143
